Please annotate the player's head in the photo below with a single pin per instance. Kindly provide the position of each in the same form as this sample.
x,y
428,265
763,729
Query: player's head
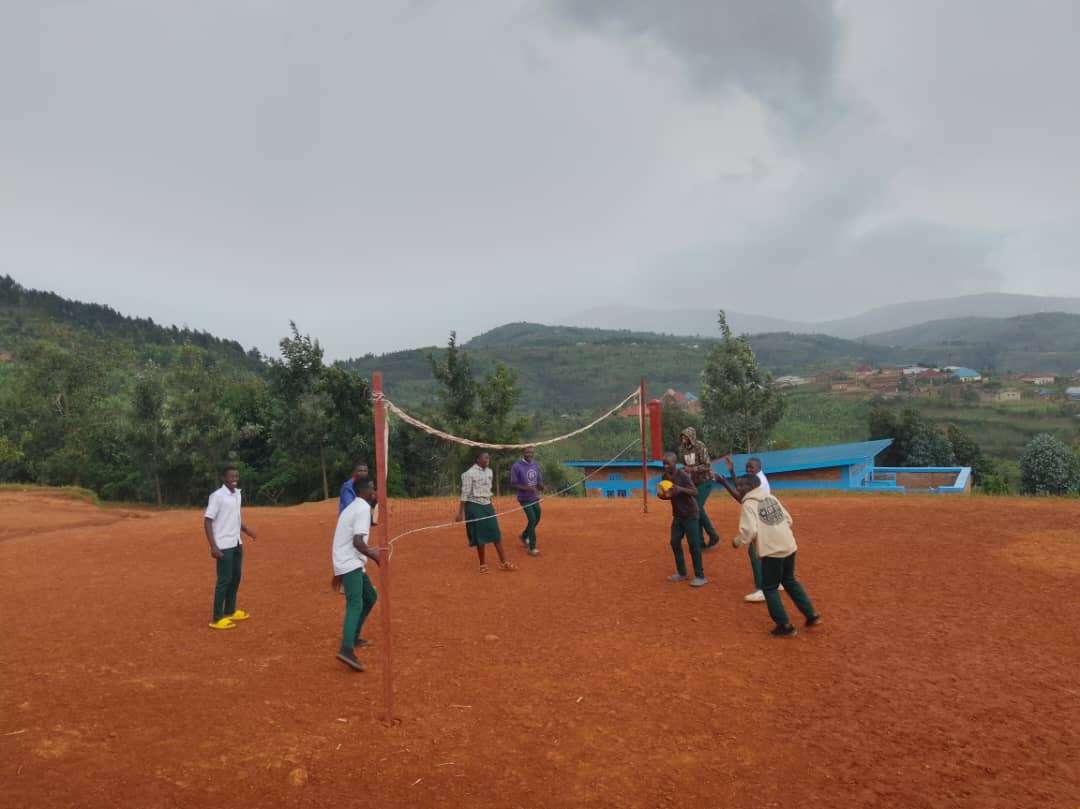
x,y
364,489
528,453
688,436
483,459
753,466
670,461
360,471
744,484
230,476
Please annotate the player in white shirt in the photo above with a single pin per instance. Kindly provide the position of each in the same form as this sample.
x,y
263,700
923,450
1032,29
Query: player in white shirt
x,y
753,467
349,555
223,525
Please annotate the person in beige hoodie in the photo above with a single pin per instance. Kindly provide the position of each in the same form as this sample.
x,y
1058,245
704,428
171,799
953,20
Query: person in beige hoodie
x,y
764,521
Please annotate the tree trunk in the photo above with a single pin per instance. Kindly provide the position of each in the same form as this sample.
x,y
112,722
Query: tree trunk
x,y
157,486
322,463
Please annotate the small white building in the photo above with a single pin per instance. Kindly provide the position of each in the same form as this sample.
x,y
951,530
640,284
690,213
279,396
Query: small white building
x,y
1073,394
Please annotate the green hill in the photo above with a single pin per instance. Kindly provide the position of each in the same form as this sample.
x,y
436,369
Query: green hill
x,y
28,314
1049,341
564,368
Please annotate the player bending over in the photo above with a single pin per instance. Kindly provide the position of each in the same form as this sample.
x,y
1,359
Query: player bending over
x,y
349,555
765,522
684,520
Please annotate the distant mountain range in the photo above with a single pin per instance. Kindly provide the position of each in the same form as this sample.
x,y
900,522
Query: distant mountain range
x,y
567,368
702,322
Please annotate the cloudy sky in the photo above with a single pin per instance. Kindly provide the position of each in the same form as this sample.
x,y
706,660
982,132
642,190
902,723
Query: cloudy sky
x,y
383,172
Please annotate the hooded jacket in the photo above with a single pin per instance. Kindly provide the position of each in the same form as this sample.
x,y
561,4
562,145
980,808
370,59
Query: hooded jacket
x,y
765,521
695,460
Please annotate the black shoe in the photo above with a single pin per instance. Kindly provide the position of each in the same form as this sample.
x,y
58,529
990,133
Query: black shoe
x,y
350,661
784,632
812,621
362,642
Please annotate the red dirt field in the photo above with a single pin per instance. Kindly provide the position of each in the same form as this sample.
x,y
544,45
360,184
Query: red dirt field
x,y
947,674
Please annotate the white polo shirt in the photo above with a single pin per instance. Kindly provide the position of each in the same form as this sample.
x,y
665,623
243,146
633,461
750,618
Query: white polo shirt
x,y
355,519
224,510
765,487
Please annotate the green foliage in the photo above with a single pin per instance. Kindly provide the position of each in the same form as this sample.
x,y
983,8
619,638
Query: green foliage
x,y
1048,466
739,403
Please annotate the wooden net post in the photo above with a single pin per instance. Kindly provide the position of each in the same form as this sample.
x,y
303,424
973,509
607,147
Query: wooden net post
x,y
644,451
382,531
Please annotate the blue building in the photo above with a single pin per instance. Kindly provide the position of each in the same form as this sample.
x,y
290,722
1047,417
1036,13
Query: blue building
x,y
841,467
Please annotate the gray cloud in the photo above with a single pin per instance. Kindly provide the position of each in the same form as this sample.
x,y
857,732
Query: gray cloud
x,y
385,172
783,53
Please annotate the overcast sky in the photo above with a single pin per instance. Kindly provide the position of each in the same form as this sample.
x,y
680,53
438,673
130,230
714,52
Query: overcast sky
x,y
383,172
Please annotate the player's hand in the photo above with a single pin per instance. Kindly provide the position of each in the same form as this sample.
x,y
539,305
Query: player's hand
x,y
252,534
730,463
216,553
735,543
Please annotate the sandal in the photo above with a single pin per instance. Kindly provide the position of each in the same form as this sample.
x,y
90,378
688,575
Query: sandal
x,y
507,566
483,568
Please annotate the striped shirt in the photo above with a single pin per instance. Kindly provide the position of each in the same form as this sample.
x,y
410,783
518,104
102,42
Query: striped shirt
x,y
476,485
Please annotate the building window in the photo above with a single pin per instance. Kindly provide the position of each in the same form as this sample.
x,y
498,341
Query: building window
x,y
622,492
614,476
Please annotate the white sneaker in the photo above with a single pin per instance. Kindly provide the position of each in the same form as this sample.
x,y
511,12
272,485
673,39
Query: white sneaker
x,y
757,595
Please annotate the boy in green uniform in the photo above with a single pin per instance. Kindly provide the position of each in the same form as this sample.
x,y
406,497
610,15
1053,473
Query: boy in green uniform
x,y
764,521
696,463
223,525
684,520
349,555
478,512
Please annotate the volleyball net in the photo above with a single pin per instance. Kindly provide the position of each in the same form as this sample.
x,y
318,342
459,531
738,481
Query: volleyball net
x,y
419,468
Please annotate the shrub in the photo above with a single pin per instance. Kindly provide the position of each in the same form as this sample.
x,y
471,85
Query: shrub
x,y
1047,466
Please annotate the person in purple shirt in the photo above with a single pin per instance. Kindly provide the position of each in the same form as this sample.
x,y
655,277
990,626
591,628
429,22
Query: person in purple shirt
x,y
527,479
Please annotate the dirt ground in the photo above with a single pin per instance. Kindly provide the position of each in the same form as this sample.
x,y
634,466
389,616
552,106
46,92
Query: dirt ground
x,y
947,674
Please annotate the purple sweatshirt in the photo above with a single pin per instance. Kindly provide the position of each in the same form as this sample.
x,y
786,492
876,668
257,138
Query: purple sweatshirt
x,y
524,473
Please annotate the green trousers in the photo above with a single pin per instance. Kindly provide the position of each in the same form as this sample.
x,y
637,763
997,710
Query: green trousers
x,y
229,568
691,529
774,572
360,597
704,489
755,565
532,514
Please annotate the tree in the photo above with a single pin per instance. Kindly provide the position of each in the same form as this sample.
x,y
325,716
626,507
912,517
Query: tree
x,y
147,435
493,423
457,388
199,430
301,419
1047,466
929,447
739,403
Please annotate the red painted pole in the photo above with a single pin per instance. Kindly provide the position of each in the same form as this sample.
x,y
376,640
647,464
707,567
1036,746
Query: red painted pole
x,y
382,530
656,427
644,451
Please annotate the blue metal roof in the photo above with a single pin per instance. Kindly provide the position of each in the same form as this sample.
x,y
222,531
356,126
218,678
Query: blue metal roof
x,y
784,460
965,373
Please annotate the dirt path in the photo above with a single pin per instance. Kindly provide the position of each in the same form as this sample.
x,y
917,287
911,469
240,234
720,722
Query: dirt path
x,y
948,673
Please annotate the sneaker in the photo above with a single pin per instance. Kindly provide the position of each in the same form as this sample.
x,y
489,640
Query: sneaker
x,y
675,577
784,632
755,596
350,661
524,541
812,621
222,623
362,642
699,581
239,615
534,552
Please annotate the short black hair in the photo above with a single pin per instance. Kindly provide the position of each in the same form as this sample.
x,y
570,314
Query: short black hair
x,y
749,480
481,453
671,456
229,468
363,485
